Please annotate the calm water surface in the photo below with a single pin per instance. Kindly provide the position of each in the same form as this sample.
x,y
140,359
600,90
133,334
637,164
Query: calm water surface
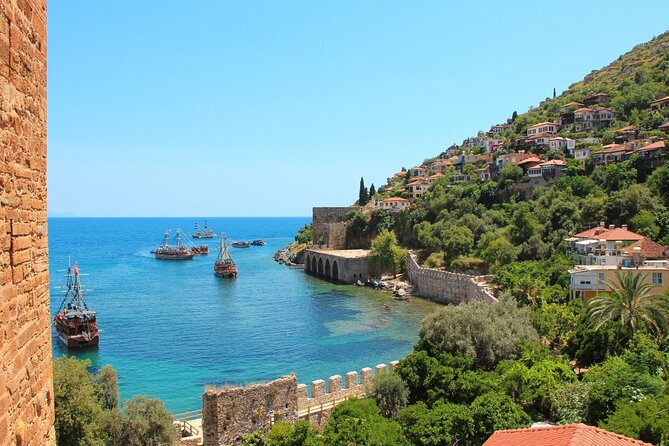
x,y
171,327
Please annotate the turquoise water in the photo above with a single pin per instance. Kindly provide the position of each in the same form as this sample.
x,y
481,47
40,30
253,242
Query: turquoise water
x,y
171,327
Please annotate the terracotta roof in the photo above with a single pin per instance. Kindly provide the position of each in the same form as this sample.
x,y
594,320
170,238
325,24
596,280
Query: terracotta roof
x,y
653,146
542,123
401,173
415,183
419,168
598,94
572,103
649,249
602,233
664,126
583,110
614,148
530,161
566,435
397,199
625,129
554,163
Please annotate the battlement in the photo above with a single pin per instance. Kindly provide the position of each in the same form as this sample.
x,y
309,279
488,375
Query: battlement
x,y
228,412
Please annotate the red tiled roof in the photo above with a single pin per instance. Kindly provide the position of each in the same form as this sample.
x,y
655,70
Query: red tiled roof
x,y
583,110
625,129
614,148
542,123
572,103
649,249
397,199
566,435
529,161
419,168
664,126
554,163
653,146
602,233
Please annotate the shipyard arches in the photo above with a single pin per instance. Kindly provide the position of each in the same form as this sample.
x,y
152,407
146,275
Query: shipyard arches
x,y
346,266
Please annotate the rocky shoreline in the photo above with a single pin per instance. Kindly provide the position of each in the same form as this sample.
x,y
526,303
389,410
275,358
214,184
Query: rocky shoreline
x,y
292,255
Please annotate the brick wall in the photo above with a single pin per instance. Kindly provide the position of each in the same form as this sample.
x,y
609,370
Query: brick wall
x,y
26,388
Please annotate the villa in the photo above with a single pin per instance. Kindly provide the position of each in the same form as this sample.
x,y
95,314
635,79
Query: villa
x,y
393,204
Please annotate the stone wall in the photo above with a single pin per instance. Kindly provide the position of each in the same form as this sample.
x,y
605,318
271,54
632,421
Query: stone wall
x,y
445,286
343,265
26,387
329,223
230,412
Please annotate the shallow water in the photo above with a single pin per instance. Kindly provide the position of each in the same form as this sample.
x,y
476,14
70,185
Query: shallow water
x,y
171,327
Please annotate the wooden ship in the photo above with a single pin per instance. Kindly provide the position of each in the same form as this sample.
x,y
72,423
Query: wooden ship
x,y
207,233
178,251
76,324
225,266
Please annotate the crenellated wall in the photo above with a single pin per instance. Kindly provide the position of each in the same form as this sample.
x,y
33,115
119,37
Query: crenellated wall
x,y
445,286
230,412
26,384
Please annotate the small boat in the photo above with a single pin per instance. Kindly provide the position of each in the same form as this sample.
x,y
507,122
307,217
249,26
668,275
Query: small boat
x,y
240,244
225,266
178,251
201,250
258,242
75,323
207,233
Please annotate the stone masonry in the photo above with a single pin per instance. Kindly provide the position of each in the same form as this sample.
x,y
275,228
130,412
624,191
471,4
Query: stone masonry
x,y
447,287
230,412
345,265
26,387
329,225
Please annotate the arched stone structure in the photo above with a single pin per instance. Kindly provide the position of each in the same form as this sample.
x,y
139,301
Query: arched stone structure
x,y
335,271
346,266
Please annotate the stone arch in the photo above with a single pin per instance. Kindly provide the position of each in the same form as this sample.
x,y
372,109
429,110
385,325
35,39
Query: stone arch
x,y
307,264
320,266
327,268
313,264
335,270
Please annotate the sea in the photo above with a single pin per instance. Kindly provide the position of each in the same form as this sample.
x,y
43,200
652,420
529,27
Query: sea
x,y
170,328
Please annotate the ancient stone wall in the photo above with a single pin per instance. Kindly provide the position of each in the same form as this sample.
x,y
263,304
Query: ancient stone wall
x,y
26,388
230,412
329,225
343,265
445,286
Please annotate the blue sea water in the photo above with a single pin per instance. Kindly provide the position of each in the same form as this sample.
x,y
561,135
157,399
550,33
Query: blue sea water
x,y
172,327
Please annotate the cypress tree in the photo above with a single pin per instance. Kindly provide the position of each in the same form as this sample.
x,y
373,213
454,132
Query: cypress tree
x,y
553,92
362,195
372,191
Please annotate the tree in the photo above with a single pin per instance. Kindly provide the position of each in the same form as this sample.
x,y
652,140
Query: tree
x,y
107,387
358,422
145,421
494,411
644,223
456,241
385,254
514,115
553,92
390,393
631,304
363,195
372,191
444,424
509,174
658,182
77,409
487,333
646,420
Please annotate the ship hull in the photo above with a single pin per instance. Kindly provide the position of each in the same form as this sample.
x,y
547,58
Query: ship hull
x,y
174,257
78,341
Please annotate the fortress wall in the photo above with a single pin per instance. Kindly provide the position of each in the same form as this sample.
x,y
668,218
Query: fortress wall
x,y
329,223
230,412
445,286
26,383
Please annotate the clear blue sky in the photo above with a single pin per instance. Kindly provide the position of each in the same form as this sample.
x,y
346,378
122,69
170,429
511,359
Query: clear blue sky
x,y
267,108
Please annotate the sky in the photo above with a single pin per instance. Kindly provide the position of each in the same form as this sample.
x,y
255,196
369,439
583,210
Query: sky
x,y
269,108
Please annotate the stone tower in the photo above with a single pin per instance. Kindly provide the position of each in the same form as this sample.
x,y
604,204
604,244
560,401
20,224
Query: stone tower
x,y
26,384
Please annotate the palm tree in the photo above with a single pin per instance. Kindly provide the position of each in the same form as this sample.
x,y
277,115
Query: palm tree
x,y
632,304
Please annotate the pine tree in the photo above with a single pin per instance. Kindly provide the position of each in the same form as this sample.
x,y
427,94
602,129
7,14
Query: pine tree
x,y
372,191
363,195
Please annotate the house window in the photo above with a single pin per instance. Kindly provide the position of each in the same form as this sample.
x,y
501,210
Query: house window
x,y
657,278
600,276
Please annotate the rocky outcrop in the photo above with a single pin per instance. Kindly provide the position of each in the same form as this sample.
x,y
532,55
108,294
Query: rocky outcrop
x,y
291,255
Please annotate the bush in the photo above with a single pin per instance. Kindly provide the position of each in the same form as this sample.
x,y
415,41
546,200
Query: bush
x,y
390,393
487,333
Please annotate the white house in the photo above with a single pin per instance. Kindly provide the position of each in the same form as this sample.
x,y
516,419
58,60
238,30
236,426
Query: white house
x,y
394,204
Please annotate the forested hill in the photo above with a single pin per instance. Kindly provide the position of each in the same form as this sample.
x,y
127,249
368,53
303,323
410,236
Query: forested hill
x,y
635,79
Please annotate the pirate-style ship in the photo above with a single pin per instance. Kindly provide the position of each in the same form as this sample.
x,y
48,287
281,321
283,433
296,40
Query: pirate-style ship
x,y
76,324
178,251
207,233
225,266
